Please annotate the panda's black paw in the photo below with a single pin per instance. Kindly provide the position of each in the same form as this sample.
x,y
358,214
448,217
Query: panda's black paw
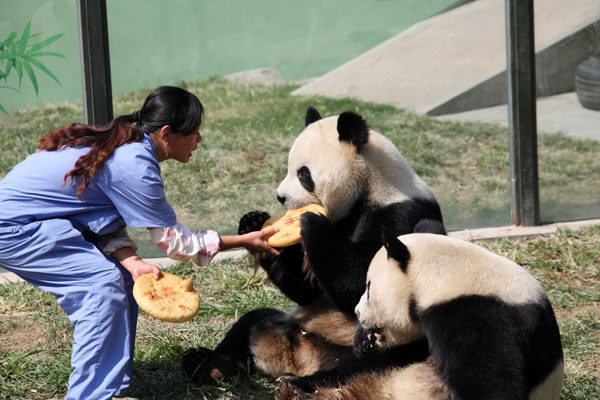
x,y
204,366
252,221
292,387
315,227
366,340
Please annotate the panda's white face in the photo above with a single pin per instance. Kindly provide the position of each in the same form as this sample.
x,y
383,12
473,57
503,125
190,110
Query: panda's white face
x,y
322,170
385,305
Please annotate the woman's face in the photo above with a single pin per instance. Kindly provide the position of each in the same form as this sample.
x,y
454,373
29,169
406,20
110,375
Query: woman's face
x,y
180,147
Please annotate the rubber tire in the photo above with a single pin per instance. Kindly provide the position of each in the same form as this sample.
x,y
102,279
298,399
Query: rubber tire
x,y
587,83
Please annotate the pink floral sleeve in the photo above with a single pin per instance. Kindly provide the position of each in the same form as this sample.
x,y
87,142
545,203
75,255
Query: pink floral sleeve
x,y
182,244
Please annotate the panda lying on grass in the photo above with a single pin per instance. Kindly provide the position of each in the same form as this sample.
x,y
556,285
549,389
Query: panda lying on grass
x,y
444,319
364,183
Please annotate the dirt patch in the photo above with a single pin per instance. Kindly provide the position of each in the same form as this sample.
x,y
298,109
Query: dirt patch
x,y
575,313
19,332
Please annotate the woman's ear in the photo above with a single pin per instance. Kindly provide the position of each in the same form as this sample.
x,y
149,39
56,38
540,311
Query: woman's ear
x,y
162,141
163,135
164,132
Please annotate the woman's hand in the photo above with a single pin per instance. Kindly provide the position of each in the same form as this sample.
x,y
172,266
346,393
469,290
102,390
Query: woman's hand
x,y
135,265
256,241
141,267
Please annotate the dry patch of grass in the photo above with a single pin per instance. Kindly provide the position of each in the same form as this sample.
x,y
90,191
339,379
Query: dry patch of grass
x,y
19,332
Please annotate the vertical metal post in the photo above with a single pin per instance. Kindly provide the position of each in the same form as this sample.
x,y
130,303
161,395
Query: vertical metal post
x,y
520,47
95,61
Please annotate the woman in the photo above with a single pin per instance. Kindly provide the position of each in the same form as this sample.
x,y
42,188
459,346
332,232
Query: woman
x,y
63,214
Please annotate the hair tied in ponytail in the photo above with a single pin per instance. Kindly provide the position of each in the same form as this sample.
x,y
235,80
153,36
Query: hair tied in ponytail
x,y
136,117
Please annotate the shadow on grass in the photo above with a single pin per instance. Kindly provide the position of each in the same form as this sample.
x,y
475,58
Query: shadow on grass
x,y
164,379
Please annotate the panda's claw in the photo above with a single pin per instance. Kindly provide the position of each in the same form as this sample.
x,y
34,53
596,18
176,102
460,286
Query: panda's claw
x,y
252,221
289,387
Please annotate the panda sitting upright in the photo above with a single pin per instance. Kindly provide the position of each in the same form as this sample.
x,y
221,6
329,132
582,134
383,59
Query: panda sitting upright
x,y
364,183
445,319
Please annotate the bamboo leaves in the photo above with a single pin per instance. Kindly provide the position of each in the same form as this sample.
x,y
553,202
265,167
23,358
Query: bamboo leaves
x,y
19,54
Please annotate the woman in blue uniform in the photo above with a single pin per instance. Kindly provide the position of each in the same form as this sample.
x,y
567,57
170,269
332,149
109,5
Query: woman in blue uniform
x,y
63,214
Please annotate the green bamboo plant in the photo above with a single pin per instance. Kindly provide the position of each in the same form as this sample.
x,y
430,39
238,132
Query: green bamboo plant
x,y
20,54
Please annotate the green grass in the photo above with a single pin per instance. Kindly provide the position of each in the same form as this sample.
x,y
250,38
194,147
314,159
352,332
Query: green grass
x,y
247,135
35,335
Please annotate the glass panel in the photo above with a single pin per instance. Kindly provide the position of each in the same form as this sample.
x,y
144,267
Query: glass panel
x,y
567,38
472,177
406,55
427,75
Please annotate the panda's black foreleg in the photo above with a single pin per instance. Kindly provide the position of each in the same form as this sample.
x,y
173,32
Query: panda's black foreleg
x,y
286,270
374,362
288,275
204,366
232,357
339,265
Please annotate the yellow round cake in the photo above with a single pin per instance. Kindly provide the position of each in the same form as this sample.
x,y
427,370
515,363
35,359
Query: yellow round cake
x,y
168,298
288,222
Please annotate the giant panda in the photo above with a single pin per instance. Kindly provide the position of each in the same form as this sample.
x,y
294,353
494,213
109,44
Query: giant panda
x,y
445,319
364,183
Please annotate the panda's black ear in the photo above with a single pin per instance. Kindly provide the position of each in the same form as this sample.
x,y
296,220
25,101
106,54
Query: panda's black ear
x,y
352,128
395,248
312,115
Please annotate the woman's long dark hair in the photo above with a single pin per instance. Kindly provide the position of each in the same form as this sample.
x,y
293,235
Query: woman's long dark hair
x,y
165,105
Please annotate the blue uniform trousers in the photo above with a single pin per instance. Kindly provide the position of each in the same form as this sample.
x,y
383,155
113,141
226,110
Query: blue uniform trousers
x,y
93,290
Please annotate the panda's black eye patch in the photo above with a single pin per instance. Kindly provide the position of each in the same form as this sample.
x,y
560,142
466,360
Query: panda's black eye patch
x,y
305,179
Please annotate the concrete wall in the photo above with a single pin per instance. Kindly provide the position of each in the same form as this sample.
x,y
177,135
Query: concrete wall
x,y
555,71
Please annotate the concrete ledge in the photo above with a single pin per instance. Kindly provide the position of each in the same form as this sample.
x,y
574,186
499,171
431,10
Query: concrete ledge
x,y
164,262
6,277
472,235
561,113
519,232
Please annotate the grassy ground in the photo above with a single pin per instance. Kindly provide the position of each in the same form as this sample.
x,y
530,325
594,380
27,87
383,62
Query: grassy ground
x,y
247,135
35,335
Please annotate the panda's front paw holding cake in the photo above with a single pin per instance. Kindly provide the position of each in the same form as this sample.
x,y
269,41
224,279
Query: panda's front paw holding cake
x,y
292,387
252,221
315,227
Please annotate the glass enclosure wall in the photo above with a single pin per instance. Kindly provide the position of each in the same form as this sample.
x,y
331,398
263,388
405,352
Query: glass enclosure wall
x,y
568,107
430,76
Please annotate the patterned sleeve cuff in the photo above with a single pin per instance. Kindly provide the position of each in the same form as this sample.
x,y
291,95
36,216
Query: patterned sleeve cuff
x,y
108,244
182,244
